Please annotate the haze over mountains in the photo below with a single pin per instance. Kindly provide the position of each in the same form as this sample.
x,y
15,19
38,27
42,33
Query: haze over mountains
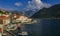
x,y
28,13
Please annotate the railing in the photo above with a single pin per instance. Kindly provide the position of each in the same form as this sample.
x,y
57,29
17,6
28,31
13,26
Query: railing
x,y
10,33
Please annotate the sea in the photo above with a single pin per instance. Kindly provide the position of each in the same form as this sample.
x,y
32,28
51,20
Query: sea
x,y
44,27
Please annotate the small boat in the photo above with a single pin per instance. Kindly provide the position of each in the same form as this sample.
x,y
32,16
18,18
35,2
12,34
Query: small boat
x,y
23,33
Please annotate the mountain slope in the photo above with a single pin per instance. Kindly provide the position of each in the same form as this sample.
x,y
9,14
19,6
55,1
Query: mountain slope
x,y
53,11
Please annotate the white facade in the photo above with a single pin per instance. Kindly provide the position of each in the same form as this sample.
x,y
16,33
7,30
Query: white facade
x,y
0,34
6,21
22,19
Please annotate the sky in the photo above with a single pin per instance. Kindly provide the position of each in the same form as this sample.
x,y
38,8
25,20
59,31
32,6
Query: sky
x,y
26,4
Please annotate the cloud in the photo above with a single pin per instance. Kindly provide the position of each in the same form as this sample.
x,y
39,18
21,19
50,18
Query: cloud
x,y
37,4
46,5
18,4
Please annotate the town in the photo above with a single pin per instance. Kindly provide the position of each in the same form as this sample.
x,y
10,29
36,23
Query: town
x,y
9,21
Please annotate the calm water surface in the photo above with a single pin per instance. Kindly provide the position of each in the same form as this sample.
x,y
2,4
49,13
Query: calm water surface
x,y
44,27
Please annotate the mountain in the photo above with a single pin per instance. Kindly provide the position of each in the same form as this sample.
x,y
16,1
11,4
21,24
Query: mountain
x,y
52,12
29,13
